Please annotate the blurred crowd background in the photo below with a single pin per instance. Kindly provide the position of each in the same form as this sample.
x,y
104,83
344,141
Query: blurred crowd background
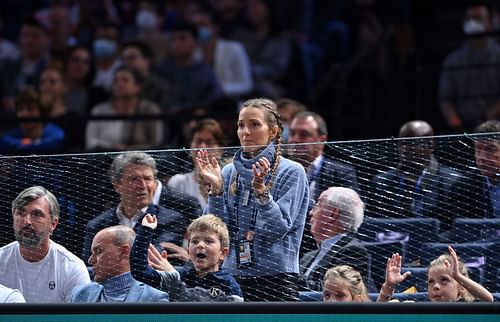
x,y
367,66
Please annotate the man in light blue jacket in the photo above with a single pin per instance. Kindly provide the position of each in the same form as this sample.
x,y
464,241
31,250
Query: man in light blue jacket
x,y
110,261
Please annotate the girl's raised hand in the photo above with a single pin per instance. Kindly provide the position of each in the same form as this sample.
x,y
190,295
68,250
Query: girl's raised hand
x,y
453,266
393,274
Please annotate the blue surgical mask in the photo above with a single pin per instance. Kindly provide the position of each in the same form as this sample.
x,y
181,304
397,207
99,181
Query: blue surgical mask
x,y
145,20
472,26
204,34
104,48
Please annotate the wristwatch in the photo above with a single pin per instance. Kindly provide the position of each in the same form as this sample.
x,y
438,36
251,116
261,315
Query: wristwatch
x,y
264,197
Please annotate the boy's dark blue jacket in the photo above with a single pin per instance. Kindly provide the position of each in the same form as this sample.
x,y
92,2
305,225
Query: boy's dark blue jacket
x,y
217,286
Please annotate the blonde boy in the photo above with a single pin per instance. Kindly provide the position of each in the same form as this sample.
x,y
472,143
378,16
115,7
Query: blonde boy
x,y
199,281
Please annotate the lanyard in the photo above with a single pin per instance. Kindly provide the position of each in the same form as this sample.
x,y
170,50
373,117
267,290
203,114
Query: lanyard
x,y
246,201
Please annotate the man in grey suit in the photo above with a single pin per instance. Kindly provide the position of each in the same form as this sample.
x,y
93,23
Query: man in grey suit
x,y
335,220
110,261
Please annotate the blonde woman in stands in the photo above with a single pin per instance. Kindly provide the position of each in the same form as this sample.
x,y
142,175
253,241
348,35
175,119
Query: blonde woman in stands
x,y
447,281
263,199
207,134
344,284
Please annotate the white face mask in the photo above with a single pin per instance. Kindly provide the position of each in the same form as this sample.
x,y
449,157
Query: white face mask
x,y
145,20
472,26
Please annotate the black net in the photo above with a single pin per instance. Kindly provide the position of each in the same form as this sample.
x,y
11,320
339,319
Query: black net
x,y
413,207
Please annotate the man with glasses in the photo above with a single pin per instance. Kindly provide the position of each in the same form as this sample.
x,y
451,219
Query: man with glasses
x,y
322,170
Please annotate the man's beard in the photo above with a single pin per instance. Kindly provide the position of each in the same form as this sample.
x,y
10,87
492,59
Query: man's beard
x,y
28,237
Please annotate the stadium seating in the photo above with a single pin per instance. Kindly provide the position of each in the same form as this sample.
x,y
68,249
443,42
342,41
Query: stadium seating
x,y
379,252
465,230
412,231
418,279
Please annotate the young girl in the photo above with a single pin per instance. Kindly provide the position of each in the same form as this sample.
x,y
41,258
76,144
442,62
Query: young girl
x,y
344,284
447,280
263,199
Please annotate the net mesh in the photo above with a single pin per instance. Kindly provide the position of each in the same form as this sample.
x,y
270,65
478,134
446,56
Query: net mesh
x,y
414,212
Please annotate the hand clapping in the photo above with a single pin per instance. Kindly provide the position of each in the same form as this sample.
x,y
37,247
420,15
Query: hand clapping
x,y
260,169
209,170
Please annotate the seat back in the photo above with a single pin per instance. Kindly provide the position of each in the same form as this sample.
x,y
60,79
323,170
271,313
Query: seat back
x,y
417,279
412,231
465,230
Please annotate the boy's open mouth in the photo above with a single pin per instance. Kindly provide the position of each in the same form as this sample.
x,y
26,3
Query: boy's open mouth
x,y
201,255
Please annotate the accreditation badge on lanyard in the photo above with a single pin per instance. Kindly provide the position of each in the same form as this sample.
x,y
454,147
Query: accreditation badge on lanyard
x,y
245,250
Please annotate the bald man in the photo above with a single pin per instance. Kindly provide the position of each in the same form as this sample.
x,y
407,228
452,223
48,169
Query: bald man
x,y
419,186
110,260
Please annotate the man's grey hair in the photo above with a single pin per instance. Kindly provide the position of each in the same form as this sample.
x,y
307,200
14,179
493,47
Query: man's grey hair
x,y
33,193
136,158
350,205
122,235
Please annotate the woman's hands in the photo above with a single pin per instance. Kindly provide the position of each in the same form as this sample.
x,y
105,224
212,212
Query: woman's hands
x,y
208,168
260,169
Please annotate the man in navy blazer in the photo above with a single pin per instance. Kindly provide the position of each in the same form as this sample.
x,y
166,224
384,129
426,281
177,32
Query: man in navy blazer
x,y
419,186
114,283
133,175
322,170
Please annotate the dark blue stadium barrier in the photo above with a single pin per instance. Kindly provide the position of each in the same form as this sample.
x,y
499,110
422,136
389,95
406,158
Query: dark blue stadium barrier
x,y
222,312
